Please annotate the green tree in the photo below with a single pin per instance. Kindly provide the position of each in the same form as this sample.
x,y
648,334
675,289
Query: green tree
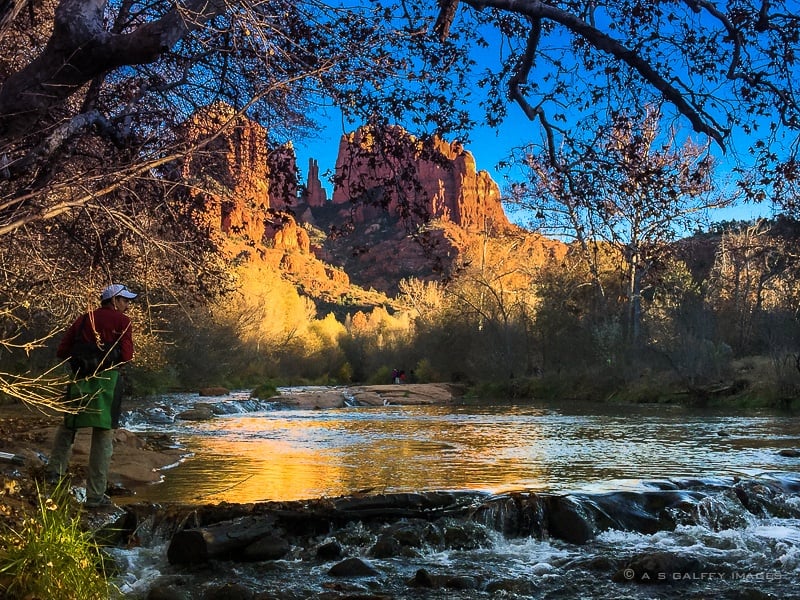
x,y
563,317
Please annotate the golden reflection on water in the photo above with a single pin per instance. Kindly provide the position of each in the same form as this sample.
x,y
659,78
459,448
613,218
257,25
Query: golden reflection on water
x,y
292,459
295,455
257,470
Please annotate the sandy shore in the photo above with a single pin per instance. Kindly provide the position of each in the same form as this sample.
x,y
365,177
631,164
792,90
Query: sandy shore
x,y
137,458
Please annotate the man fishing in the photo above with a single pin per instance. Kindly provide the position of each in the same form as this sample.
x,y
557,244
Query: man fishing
x,y
96,344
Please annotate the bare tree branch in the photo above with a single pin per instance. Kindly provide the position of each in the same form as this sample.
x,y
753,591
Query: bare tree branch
x,y
520,77
536,11
81,48
756,80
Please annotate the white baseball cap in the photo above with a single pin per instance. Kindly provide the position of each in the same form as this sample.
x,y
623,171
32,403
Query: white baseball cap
x,y
115,290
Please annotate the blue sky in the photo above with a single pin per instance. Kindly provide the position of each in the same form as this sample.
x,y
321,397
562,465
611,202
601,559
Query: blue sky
x,y
488,145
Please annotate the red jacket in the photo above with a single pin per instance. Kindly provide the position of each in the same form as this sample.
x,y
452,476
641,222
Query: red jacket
x,y
109,323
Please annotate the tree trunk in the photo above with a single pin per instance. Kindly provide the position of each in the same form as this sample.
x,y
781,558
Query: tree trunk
x,y
221,540
80,49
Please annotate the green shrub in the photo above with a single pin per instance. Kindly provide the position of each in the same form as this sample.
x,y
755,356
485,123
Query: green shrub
x,y
146,382
382,376
425,373
52,556
264,391
345,373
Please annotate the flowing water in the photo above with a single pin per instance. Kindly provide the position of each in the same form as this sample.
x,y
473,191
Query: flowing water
x,y
594,455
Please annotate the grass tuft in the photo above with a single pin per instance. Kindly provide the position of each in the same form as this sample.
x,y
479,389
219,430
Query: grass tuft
x,y
52,556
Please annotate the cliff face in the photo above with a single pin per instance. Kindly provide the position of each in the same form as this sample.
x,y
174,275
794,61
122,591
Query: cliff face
x,y
400,208
240,192
389,170
243,187
231,169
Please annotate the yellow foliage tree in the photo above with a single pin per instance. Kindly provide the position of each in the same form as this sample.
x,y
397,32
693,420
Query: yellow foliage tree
x,y
267,310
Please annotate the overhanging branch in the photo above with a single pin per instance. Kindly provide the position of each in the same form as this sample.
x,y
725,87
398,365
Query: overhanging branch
x,y
536,11
81,49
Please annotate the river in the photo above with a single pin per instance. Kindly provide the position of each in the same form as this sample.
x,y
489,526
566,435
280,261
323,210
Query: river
x,y
255,451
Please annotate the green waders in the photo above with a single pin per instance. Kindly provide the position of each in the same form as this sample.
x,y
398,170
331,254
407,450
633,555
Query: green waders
x,y
98,401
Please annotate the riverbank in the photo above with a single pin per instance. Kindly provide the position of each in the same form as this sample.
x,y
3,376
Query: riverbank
x,y
27,433
391,527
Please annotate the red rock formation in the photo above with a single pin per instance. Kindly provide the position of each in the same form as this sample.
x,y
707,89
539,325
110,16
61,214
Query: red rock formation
x,y
282,175
286,235
389,168
315,195
229,164
242,187
241,193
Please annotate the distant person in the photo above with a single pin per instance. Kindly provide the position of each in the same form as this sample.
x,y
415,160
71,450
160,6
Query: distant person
x,y
97,344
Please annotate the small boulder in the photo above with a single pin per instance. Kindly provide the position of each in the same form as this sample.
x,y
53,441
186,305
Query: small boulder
x,y
422,579
413,533
201,412
167,592
510,587
229,591
461,582
568,520
329,550
385,547
169,587
353,567
214,391
270,547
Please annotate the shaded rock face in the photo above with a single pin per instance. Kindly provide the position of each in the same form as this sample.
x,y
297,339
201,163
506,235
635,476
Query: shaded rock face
x,y
244,188
282,177
232,168
390,170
